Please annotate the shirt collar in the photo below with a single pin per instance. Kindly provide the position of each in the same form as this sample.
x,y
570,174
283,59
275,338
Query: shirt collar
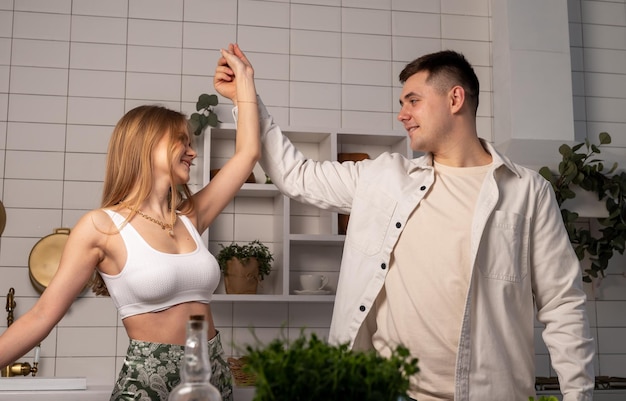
x,y
425,162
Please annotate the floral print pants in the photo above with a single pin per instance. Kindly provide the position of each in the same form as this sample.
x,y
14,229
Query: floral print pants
x,y
151,371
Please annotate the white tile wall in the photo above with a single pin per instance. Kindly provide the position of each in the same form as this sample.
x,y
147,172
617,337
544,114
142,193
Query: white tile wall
x,y
50,6
156,9
110,8
41,26
40,81
99,111
39,53
50,109
207,36
466,7
4,79
314,17
70,68
34,165
6,24
315,95
364,46
318,2
262,39
600,54
321,69
375,22
366,72
215,11
153,87
155,33
428,6
93,56
36,136
366,98
91,83
27,194
263,13
154,59
417,25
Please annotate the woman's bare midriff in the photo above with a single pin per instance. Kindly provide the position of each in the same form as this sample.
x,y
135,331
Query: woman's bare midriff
x,y
168,326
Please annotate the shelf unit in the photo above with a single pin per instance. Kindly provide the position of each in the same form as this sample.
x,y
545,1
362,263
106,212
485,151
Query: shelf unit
x,y
302,238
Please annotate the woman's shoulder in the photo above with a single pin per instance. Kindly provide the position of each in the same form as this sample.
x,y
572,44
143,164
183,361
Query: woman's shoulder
x,y
99,220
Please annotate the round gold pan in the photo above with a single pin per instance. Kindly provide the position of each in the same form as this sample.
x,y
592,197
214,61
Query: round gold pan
x,y
3,218
45,256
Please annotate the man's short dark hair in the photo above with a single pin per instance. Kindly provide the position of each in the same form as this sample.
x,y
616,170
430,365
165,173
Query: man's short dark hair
x,y
446,69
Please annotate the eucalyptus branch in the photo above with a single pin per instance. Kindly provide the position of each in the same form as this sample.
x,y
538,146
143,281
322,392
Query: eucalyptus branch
x,y
205,114
587,172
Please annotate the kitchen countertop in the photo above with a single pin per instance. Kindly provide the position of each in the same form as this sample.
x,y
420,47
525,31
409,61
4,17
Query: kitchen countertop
x,y
243,393
93,393
103,392
598,395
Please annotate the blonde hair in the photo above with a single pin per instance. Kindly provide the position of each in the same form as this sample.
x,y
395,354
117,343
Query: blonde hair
x,y
129,163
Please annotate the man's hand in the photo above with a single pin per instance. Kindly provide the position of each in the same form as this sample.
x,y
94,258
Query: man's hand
x,y
233,68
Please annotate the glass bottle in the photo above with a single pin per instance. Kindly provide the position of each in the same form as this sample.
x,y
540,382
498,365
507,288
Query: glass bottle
x,y
195,369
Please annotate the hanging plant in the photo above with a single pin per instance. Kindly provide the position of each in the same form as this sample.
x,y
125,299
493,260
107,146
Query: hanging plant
x,y
205,114
584,170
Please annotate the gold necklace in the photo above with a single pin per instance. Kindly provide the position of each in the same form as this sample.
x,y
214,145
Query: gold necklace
x,y
163,225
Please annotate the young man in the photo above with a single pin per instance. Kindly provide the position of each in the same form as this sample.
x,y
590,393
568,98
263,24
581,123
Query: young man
x,y
450,253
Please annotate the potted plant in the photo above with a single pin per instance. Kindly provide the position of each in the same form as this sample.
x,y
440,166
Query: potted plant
x,y
583,170
205,114
244,266
311,369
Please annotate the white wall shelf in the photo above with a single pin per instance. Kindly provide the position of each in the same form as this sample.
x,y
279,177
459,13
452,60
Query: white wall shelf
x,y
272,298
319,239
303,239
260,190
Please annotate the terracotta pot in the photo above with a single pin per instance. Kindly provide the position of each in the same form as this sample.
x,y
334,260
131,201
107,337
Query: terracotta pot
x,y
343,219
240,278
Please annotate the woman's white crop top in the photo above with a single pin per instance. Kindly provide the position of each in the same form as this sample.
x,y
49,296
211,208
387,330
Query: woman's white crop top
x,y
153,281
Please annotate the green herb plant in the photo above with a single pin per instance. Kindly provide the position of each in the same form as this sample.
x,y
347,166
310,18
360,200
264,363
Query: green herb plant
x,y
584,170
310,369
255,249
544,398
204,115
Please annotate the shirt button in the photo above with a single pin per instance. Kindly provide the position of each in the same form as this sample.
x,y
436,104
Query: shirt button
x,y
423,188
362,308
383,266
398,225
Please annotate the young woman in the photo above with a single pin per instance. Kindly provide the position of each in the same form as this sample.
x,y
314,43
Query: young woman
x,y
145,245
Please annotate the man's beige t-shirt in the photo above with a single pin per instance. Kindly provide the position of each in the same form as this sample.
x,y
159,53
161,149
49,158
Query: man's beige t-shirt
x,y
422,302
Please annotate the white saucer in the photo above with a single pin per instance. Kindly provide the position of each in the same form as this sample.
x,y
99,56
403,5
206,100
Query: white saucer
x,y
312,292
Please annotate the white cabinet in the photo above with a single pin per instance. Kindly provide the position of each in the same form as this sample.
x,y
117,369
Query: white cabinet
x,y
302,238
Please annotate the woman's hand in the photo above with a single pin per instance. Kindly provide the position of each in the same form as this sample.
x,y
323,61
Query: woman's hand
x,y
234,79
233,70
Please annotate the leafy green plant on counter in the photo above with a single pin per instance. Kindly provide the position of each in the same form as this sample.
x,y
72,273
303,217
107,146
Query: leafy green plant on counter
x,y
584,170
205,114
311,369
544,398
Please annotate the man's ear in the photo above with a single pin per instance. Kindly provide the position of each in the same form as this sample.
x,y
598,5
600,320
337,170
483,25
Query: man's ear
x,y
457,98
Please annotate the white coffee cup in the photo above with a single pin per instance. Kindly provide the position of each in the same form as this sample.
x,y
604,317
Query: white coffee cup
x,y
313,282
